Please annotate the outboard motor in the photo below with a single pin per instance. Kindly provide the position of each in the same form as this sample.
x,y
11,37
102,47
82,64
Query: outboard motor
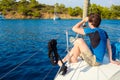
x,y
54,56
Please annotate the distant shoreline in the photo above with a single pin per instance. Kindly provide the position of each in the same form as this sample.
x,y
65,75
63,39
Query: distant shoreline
x,y
46,16
51,17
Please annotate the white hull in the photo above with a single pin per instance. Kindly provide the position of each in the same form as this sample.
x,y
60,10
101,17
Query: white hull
x,y
82,71
56,18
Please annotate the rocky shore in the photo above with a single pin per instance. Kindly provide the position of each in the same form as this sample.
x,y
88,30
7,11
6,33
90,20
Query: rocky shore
x,y
43,16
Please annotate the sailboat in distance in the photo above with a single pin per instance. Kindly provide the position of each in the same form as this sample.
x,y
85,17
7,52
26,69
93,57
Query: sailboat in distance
x,y
56,17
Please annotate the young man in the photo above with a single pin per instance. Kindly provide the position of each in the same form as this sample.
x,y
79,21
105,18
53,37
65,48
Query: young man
x,y
99,41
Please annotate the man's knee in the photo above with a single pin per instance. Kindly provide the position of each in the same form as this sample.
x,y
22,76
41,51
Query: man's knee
x,y
79,41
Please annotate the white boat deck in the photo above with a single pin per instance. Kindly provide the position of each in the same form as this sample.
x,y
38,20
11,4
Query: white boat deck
x,y
82,71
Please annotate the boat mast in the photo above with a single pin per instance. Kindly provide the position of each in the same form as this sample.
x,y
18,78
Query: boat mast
x,y
85,8
85,12
55,9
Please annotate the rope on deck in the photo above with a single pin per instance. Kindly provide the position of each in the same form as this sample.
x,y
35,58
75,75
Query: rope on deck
x,y
75,71
116,76
102,72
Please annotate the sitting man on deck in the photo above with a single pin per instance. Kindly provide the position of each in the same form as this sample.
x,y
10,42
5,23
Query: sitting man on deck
x,y
99,41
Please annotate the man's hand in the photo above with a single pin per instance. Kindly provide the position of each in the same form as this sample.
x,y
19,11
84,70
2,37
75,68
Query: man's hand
x,y
85,19
115,62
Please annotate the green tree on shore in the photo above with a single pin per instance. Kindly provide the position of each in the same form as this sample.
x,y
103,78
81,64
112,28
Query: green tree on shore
x,y
7,5
23,7
75,11
115,11
34,9
107,13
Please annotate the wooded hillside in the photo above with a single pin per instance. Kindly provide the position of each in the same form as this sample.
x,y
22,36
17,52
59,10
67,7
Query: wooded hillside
x,y
34,9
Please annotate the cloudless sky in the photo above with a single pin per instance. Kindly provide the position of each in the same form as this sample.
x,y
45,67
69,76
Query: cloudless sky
x,y
74,3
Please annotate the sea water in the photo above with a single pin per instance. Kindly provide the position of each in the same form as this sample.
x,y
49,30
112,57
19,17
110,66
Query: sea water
x,y
24,46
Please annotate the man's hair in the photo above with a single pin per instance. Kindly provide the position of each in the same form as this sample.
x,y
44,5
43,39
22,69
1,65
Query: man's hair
x,y
95,19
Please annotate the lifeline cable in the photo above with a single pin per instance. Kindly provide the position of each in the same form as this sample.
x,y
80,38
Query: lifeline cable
x,y
17,66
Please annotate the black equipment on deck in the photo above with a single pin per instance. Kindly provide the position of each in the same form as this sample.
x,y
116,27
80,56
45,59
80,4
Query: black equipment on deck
x,y
54,56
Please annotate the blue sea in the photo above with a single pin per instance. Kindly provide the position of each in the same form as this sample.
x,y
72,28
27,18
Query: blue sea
x,y
24,46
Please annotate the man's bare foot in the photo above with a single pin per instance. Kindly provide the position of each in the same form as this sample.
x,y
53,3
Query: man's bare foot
x,y
59,63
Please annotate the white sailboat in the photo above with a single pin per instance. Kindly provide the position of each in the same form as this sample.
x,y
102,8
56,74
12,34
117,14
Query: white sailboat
x,y
82,71
56,17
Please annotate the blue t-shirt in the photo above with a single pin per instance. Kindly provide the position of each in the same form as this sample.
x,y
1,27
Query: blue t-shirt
x,y
98,41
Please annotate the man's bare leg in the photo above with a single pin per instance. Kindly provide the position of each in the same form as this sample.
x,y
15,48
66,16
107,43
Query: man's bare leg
x,y
79,46
72,56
